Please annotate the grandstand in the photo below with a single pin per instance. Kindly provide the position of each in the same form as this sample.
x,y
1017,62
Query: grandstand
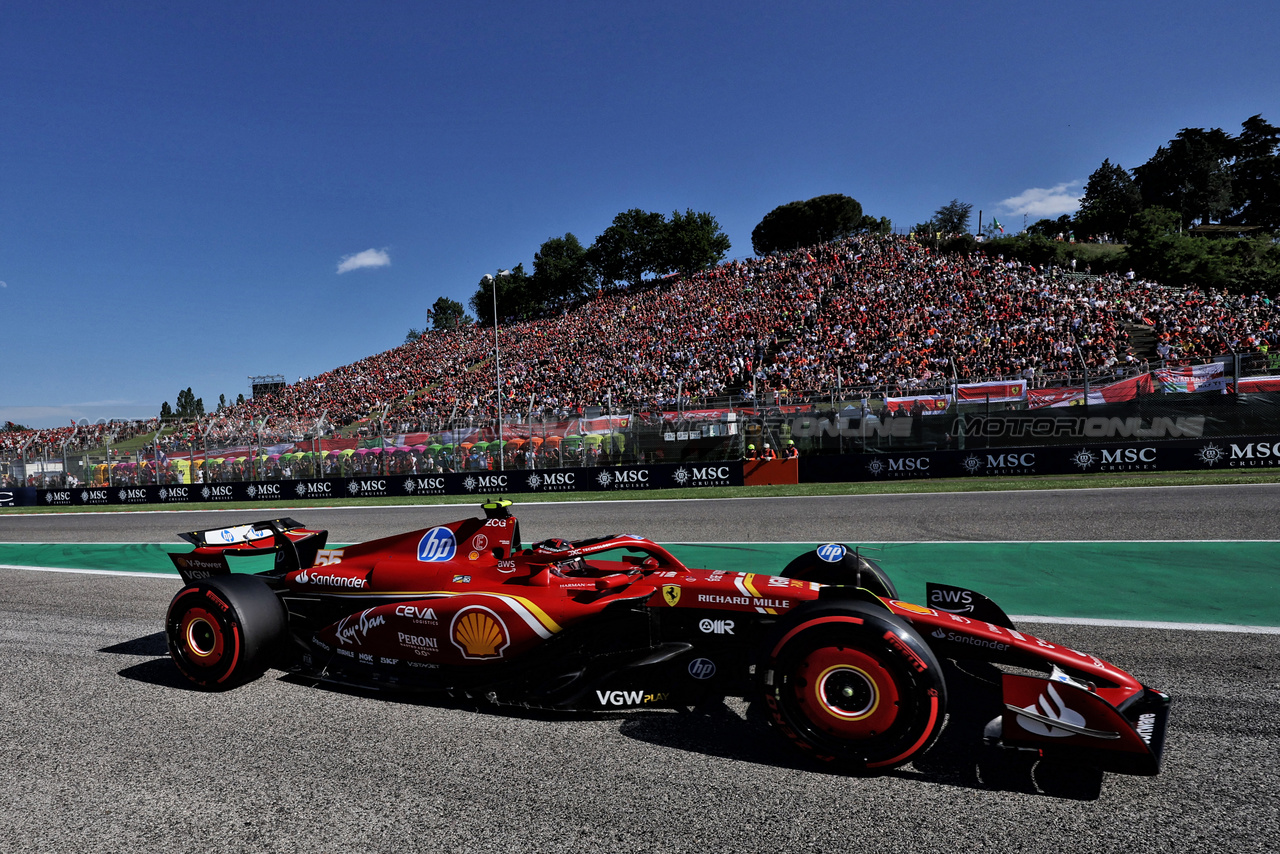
x,y
867,317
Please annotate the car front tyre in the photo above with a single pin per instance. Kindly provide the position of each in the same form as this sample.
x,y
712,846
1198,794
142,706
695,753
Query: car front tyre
x,y
852,685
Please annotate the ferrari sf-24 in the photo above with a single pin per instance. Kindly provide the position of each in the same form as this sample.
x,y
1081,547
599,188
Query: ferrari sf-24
x,y
846,671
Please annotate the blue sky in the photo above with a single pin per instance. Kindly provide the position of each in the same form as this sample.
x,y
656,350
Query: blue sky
x,y
183,183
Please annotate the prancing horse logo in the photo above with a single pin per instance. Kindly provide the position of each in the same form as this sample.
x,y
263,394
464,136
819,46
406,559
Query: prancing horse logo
x,y
671,593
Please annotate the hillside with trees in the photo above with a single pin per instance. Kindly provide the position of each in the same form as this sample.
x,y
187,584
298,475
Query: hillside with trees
x,y
1203,211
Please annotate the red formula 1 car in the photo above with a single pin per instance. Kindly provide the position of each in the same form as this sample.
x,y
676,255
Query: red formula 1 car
x,y
848,672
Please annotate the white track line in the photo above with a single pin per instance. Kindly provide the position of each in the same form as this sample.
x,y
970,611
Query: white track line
x,y
1147,624
90,571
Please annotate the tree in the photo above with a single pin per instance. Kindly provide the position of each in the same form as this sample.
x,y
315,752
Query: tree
x,y
1111,199
447,313
694,241
816,220
513,296
1158,250
1255,175
189,406
870,224
1191,176
222,402
1052,227
560,271
239,399
629,248
953,217
413,335
166,411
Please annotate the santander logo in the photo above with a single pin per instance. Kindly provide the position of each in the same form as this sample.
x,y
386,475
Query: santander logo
x,y
1051,706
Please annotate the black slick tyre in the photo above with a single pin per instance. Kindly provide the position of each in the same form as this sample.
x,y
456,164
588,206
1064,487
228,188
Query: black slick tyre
x,y
848,569
224,631
852,685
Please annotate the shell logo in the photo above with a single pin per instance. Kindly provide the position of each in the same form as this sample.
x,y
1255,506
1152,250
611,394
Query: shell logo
x,y
479,633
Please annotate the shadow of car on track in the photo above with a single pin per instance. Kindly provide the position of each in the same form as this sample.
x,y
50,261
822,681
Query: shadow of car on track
x,y
959,757
157,671
152,644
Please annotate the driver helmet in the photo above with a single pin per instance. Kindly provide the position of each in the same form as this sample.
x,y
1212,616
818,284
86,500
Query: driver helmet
x,y
554,545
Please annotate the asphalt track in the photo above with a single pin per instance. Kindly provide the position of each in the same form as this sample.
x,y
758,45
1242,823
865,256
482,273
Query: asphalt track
x,y
105,749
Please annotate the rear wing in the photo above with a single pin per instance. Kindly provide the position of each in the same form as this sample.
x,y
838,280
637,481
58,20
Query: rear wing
x,y
294,545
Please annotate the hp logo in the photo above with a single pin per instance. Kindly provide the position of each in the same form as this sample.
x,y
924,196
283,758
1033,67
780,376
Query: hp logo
x,y
702,668
436,545
832,552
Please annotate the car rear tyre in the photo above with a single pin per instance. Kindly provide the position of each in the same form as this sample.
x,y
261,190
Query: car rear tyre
x,y
852,685
224,631
850,569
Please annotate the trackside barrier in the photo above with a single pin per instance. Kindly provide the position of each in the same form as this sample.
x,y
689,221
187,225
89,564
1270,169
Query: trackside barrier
x,y
1248,454
620,479
1236,454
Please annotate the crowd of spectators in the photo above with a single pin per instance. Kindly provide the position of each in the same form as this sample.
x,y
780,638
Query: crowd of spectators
x,y
869,315
51,442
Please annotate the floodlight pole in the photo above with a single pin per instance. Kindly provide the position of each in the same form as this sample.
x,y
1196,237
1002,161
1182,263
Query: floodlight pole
x,y
497,363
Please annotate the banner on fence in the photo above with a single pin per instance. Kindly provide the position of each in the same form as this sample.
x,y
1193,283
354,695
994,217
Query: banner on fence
x,y
931,404
1039,398
996,392
1192,378
1255,385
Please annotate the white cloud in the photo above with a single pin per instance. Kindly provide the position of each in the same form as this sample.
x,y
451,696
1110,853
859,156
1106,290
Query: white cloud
x,y
367,258
1039,203
3,285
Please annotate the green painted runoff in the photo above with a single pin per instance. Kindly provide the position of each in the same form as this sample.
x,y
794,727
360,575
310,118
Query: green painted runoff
x,y
1186,582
